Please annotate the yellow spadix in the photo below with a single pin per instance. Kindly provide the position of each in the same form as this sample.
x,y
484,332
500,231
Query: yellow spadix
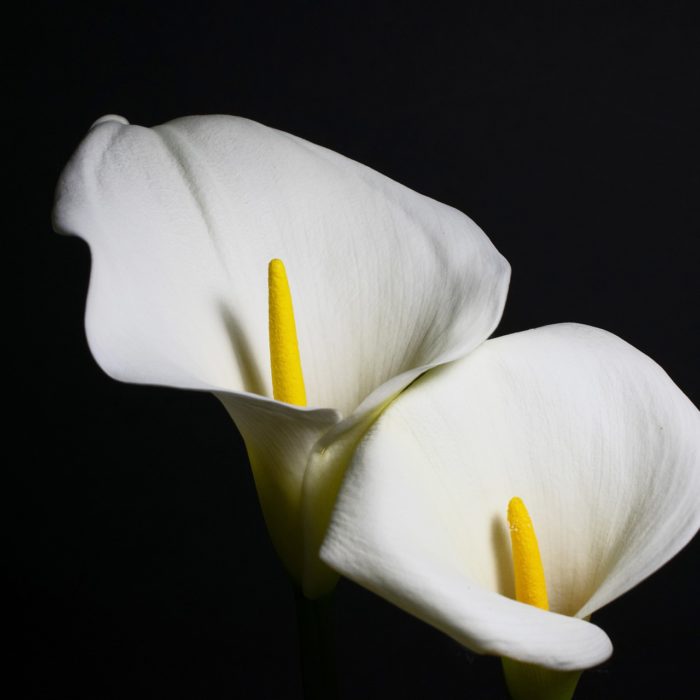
x,y
529,681
530,585
285,361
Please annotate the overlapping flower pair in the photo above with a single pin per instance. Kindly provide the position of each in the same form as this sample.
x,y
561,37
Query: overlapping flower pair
x,y
401,488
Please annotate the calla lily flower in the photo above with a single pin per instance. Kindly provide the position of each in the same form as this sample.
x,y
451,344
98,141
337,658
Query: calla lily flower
x,y
182,221
586,430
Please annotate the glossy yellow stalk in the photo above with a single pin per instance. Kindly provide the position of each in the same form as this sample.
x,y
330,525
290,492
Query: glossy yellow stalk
x,y
530,584
285,361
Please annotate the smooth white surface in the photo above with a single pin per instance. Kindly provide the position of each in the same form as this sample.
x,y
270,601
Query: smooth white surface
x,y
595,438
182,220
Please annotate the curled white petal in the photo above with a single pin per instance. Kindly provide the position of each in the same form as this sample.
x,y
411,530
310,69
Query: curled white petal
x,y
182,220
595,438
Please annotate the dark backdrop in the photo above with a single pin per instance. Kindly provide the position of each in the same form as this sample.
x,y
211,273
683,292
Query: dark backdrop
x,y
567,132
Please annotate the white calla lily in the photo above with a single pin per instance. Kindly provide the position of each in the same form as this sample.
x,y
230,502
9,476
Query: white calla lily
x,y
182,220
593,436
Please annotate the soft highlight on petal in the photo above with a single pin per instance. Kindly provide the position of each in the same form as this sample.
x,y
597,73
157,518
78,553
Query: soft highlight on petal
x,y
591,433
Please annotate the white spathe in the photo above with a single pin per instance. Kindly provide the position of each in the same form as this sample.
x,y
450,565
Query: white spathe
x,y
182,220
599,443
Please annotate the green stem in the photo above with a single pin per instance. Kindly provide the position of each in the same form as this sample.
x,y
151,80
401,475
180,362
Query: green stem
x,y
530,682
316,649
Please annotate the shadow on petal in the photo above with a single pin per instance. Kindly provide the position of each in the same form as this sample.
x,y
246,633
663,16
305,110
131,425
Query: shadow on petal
x,y
500,541
244,355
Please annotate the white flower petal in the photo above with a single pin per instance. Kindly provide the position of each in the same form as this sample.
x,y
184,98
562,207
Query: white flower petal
x,y
595,438
182,220
279,439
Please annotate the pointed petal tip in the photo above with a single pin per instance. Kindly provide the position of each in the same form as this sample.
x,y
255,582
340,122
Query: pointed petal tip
x,y
110,118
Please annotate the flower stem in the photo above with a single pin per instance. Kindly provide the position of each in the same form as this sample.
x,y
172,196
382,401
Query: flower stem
x,y
316,649
530,682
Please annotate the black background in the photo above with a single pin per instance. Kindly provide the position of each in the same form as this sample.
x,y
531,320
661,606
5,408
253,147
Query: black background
x,y
567,131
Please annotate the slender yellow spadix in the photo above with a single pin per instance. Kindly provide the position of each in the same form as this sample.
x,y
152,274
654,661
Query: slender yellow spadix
x,y
529,681
530,585
285,362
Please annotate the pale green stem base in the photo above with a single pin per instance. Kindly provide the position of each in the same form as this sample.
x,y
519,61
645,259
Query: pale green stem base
x,y
530,682
316,647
